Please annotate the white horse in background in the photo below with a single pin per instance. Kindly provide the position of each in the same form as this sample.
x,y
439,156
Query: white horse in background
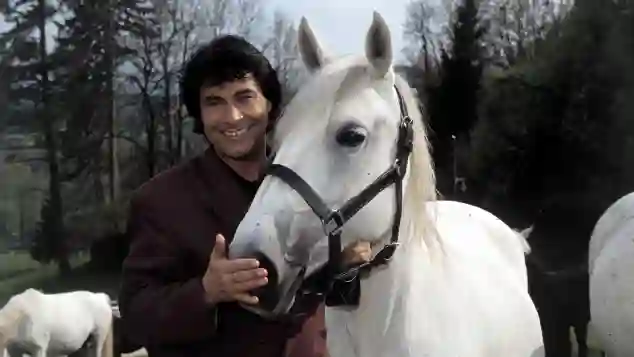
x,y
611,268
457,284
40,324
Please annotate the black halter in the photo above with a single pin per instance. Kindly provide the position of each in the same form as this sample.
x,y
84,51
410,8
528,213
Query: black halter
x,y
333,220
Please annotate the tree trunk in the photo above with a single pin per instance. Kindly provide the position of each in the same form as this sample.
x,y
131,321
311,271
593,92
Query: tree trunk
x,y
167,103
112,148
55,196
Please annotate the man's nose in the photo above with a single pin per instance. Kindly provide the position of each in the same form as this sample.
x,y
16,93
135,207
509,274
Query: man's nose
x,y
234,112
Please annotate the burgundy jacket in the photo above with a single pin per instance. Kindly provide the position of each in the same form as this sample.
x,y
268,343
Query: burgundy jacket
x,y
173,221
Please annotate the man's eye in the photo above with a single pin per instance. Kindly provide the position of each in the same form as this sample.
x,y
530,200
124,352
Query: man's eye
x,y
245,98
210,102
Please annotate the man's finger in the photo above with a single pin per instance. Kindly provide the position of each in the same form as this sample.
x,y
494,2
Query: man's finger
x,y
220,250
249,285
246,298
235,265
247,275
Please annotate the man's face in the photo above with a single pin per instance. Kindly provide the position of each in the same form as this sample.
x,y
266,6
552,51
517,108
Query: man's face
x,y
235,116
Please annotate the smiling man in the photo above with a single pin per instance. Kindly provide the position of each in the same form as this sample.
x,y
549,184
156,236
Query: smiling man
x,y
180,292
234,118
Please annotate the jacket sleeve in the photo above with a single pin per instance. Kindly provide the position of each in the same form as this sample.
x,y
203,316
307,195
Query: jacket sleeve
x,y
156,307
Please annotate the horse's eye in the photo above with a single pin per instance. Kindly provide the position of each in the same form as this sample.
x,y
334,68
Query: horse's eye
x,y
351,136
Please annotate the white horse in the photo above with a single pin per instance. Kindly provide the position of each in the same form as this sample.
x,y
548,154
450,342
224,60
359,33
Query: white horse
x,y
40,324
611,268
457,284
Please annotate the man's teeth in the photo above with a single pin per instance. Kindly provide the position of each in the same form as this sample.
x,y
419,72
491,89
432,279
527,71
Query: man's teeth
x,y
234,132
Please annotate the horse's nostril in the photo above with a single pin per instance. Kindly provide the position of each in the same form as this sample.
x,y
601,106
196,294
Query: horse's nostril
x,y
267,294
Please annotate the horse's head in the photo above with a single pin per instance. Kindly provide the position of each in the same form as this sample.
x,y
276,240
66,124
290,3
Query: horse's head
x,y
342,162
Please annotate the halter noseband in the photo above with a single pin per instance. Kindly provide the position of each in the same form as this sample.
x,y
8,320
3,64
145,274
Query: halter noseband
x,y
333,220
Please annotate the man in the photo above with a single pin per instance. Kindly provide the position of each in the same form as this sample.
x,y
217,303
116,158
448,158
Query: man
x,y
179,291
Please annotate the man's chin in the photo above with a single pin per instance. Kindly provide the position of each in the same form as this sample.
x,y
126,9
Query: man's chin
x,y
242,155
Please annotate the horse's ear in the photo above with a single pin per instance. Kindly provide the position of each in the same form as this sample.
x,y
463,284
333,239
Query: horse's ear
x,y
378,46
309,48
526,232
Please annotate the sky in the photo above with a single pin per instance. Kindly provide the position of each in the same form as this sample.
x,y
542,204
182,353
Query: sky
x,y
341,25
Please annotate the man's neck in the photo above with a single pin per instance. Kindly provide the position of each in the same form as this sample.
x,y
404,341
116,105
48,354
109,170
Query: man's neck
x,y
250,169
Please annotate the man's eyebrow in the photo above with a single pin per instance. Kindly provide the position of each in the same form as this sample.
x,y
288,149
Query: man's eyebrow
x,y
244,91
210,96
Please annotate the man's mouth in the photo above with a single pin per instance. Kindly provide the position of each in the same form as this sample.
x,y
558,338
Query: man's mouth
x,y
234,133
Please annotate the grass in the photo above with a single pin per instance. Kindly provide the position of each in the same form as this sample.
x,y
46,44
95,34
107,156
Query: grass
x,y
16,263
19,272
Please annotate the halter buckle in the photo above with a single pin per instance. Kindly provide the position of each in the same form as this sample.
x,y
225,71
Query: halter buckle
x,y
333,223
386,254
408,133
399,169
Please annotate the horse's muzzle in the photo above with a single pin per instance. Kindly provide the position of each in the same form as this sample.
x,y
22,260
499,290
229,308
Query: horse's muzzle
x,y
276,300
286,273
268,295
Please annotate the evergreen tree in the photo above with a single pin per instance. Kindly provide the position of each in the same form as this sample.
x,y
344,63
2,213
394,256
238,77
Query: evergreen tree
x,y
27,66
454,103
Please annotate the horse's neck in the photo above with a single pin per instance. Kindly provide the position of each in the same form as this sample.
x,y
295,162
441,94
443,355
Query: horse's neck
x,y
382,313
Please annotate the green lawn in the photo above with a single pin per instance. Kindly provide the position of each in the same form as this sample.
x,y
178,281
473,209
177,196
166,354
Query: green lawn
x,y
16,263
19,272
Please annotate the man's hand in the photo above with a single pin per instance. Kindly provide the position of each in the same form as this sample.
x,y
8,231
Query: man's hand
x,y
356,253
231,280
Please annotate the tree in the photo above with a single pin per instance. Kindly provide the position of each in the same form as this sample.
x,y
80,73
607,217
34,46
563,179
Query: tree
x,y
424,44
549,132
28,64
517,27
460,73
281,49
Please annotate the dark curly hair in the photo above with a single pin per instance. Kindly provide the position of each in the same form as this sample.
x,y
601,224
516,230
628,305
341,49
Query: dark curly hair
x,y
224,59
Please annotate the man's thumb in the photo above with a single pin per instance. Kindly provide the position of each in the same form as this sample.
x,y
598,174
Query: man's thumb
x,y
220,249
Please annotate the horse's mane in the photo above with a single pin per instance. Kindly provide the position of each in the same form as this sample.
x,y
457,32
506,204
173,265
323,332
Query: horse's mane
x,y
421,187
330,84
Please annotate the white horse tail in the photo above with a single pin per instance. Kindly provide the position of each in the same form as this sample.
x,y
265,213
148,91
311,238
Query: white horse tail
x,y
107,349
